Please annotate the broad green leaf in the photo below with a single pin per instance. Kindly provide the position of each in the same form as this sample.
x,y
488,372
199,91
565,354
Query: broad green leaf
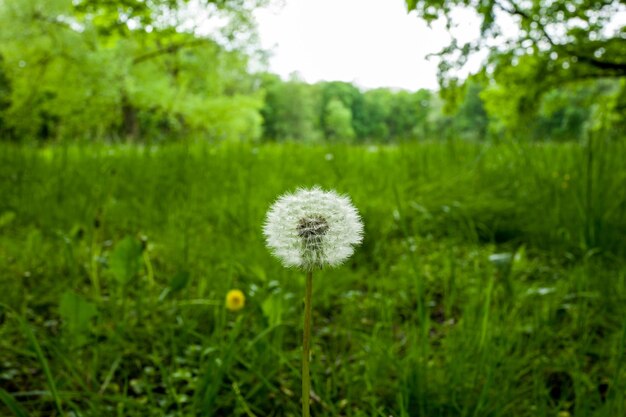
x,y
259,272
125,260
6,218
76,313
273,309
179,281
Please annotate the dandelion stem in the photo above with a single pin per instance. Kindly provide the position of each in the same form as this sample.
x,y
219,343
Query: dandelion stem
x,y
306,347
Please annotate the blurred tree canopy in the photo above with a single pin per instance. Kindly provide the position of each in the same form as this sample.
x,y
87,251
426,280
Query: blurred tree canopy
x,y
155,70
573,39
338,111
536,47
125,68
290,110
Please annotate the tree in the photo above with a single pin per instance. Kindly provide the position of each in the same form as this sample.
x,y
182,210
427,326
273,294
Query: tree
x,y
572,39
564,112
290,110
351,98
99,68
408,114
535,46
377,105
338,119
471,120
121,18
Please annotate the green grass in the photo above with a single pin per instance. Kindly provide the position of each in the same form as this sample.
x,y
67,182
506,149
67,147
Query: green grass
x,y
115,261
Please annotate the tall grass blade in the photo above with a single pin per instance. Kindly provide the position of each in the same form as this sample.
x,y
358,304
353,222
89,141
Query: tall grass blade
x,y
12,404
44,365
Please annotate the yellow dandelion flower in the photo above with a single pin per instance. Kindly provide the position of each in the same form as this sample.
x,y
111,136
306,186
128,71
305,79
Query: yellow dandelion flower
x,y
235,300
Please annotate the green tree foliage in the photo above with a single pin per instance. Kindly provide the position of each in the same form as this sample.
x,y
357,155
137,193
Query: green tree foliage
x,y
53,72
564,112
571,39
290,110
536,47
124,18
95,68
341,111
338,121
179,92
609,114
377,112
146,70
471,120
408,115
394,115
350,97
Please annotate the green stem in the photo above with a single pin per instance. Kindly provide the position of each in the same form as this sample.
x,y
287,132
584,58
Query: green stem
x,y
95,279
306,347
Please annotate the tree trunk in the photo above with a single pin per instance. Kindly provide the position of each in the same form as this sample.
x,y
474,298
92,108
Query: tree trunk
x,y
130,124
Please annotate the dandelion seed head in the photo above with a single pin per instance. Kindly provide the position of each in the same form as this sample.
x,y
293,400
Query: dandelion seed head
x,y
313,228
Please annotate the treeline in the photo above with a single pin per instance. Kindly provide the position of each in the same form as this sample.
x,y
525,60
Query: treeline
x,y
111,70
476,110
107,70
339,111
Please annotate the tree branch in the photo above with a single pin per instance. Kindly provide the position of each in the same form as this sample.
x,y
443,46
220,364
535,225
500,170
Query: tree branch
x,y
615,68
175,47
619,67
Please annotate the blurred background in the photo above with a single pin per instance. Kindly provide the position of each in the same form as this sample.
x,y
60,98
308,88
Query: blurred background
x,y
142,142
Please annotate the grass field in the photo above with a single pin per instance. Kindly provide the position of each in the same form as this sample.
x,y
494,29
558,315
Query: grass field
x,y
491,282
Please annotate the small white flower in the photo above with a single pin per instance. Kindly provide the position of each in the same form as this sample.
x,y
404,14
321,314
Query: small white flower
x,y
313,228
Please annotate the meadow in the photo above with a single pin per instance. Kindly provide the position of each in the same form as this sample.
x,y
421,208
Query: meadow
x,y
491,281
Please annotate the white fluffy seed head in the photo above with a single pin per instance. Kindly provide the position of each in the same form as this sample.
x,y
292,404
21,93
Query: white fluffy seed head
x,y
313,228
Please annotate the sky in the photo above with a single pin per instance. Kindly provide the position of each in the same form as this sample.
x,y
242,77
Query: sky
x,y
372,43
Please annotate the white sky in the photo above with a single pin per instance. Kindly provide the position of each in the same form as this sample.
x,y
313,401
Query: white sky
x,y
373,43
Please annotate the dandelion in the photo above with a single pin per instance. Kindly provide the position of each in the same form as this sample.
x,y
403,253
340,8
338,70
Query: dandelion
x,y
235,300
311,229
